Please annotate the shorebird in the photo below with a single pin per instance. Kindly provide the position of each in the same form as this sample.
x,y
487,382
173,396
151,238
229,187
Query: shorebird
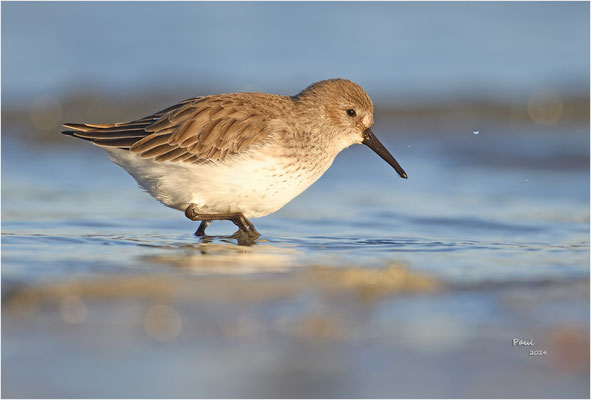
x,y
239,155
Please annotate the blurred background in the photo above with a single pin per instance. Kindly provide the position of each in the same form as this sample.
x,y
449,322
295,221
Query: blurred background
x,y
363,286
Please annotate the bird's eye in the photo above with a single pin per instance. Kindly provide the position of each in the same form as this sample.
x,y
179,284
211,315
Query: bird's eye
x,y
351,112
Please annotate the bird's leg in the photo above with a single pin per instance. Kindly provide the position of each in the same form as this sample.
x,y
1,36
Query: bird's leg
x,y
237,218
202,226
244,224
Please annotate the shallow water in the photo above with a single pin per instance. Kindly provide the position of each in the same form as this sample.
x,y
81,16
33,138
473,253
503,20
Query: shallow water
x,y
366,285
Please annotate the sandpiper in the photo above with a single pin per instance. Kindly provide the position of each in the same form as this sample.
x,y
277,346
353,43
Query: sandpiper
x,y
239,155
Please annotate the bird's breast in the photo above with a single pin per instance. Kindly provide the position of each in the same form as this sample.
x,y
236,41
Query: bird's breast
x,y
269,181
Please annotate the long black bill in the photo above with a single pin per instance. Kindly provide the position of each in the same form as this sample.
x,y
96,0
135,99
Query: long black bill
x,y
371,141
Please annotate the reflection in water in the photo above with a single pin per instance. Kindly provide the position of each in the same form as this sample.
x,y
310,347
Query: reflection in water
x,y
240,237
219,253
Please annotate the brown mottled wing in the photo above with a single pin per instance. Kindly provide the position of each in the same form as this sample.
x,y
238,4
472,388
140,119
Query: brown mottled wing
x,y
206,128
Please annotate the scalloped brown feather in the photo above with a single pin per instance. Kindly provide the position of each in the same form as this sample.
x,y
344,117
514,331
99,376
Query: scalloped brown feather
x,y
205,128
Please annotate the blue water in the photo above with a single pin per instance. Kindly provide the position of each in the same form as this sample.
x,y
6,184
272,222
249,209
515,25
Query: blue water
x,y
457,209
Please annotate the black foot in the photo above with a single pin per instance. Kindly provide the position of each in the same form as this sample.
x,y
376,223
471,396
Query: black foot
x,y
201,230
245,225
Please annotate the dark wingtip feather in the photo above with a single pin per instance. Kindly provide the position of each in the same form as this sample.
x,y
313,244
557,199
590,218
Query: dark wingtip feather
x,y
107,135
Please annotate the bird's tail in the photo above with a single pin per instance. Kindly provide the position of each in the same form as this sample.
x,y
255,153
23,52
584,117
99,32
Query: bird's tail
x,y
121,135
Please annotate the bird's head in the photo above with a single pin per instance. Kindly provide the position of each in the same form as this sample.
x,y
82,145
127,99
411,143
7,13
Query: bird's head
x,y
347,109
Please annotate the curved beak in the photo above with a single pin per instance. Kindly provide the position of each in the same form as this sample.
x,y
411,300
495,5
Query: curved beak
x,y
371,141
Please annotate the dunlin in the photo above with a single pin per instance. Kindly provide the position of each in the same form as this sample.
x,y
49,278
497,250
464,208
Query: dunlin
x,y
240,155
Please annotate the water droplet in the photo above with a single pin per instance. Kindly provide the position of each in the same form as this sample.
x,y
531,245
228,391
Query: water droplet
x,y
409,146
476,131
526,179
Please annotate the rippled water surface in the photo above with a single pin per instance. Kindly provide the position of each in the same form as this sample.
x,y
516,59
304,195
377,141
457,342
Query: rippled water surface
x,y
365,285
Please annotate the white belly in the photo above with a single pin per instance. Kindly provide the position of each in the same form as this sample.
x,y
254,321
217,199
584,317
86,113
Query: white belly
x,y
255,185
